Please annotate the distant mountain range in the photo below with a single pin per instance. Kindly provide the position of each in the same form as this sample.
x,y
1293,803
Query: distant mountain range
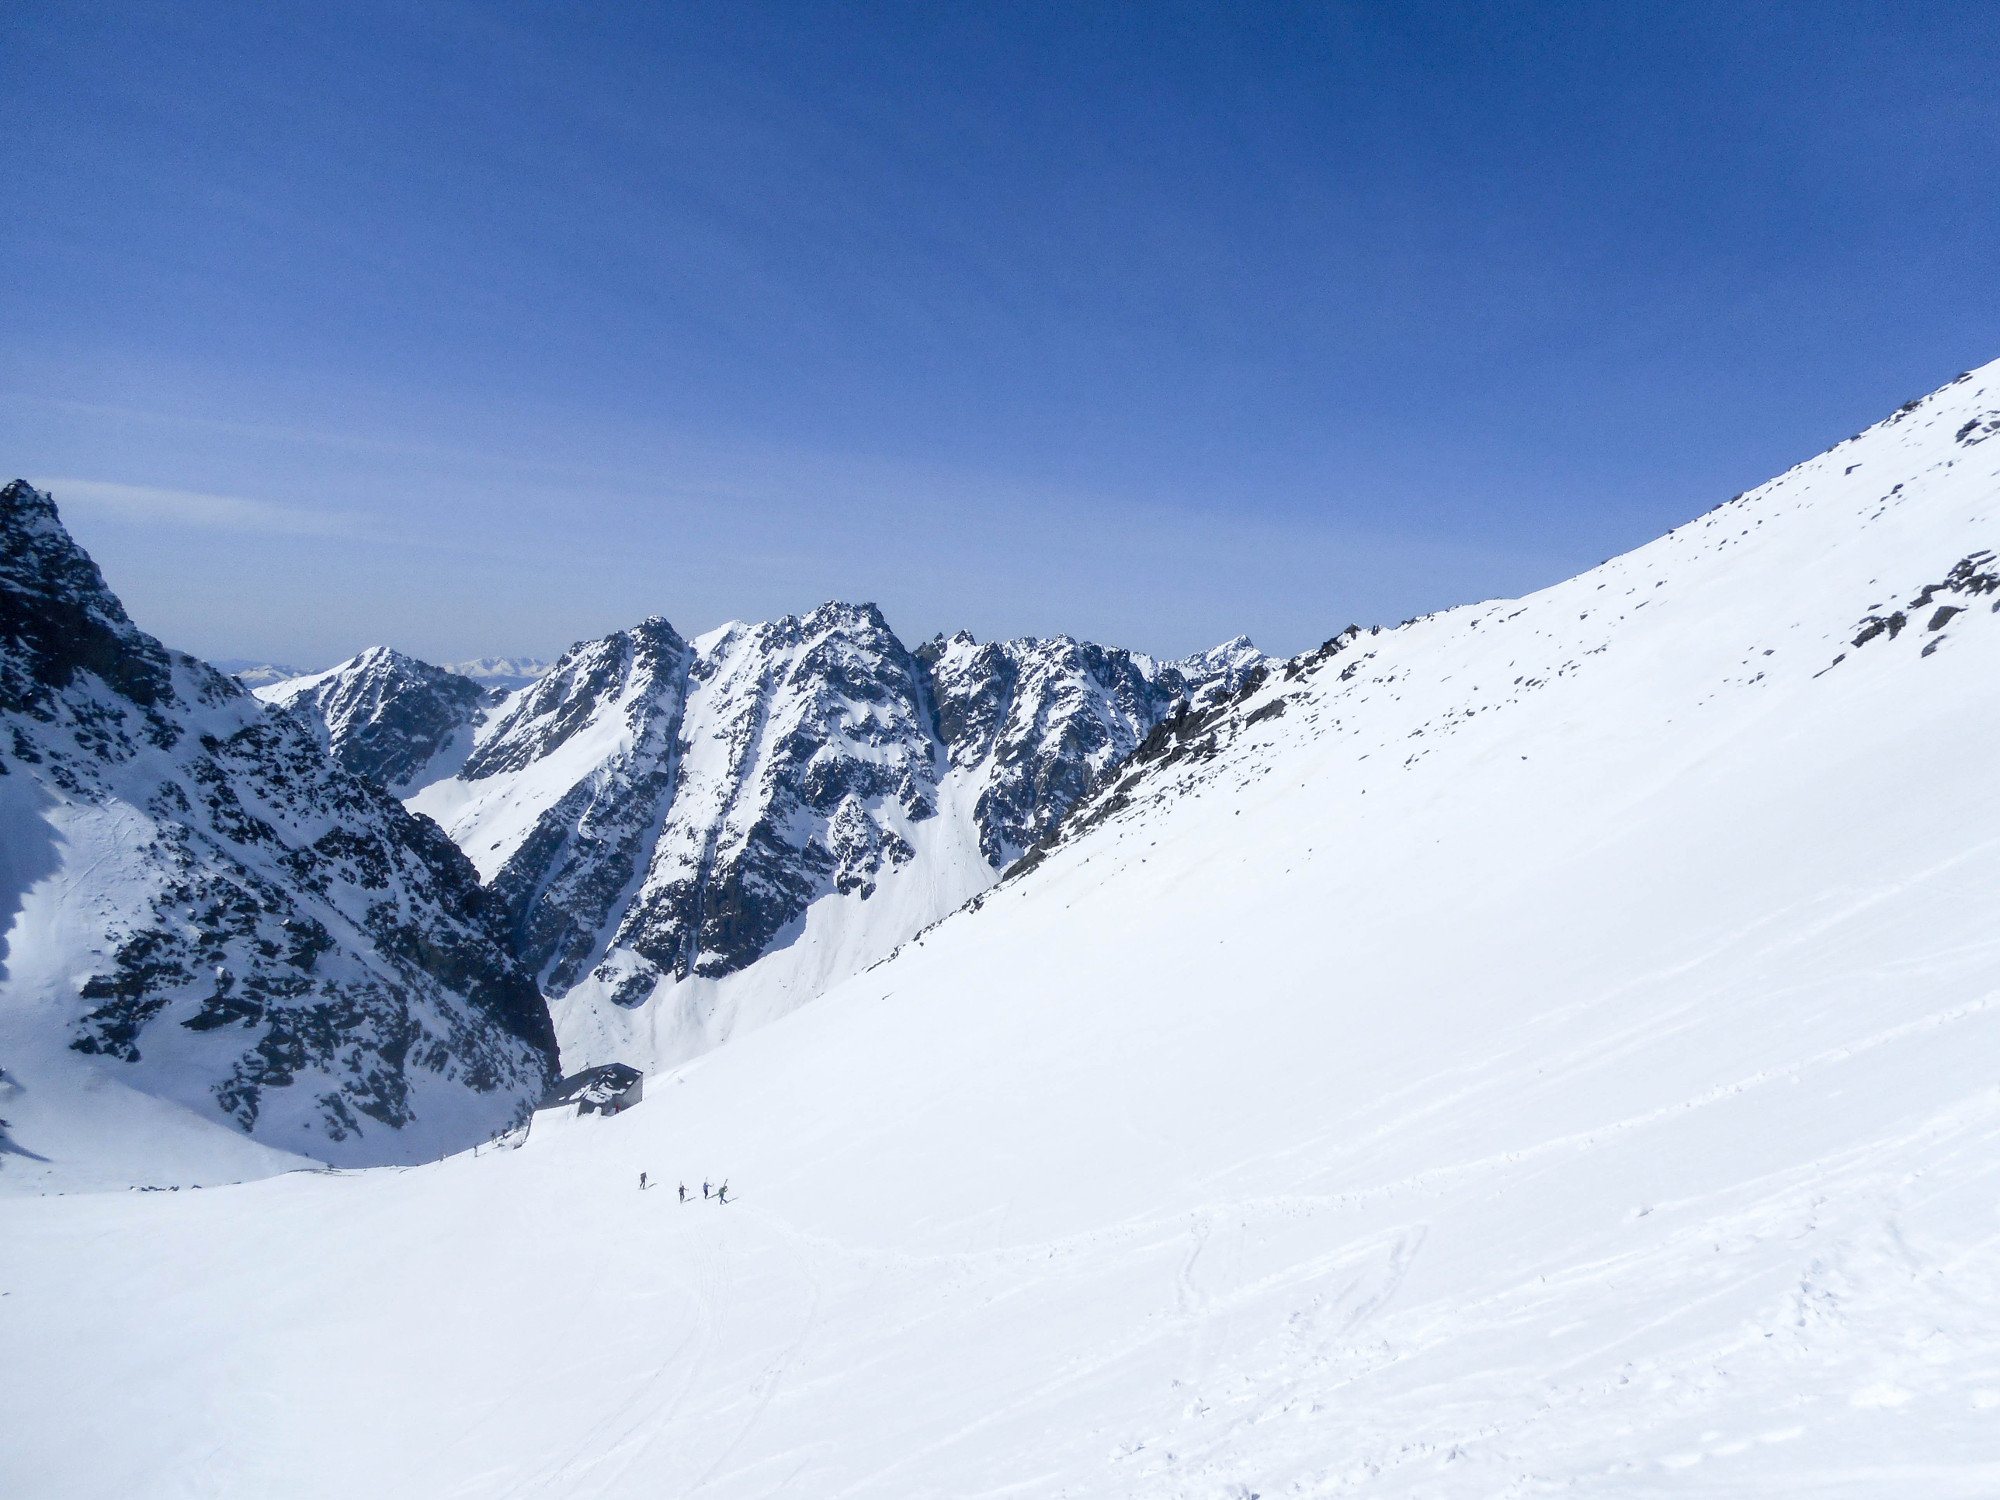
x,y
687,836
489,671
253,673
500,671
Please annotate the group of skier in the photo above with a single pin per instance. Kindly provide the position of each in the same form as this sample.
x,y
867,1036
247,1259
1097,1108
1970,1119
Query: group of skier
x,y
719,1194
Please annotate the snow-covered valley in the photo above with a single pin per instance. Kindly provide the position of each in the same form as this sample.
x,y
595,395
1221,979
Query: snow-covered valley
x,y
1546,1047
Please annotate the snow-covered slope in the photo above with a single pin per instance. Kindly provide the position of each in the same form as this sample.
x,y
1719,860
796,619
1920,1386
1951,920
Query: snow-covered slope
x,y
216,936
693,837
1551,1054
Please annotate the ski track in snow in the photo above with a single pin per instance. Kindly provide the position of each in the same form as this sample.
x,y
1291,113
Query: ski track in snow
x,y
1588,1092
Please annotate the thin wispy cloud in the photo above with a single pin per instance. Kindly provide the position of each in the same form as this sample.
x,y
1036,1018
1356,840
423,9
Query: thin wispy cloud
x,y
145,504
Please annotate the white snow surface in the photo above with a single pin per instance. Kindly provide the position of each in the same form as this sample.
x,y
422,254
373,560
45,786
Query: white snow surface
x,y
1555,1056
840,936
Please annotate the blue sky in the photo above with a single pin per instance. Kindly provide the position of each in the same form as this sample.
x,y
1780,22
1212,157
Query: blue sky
x,y
484,328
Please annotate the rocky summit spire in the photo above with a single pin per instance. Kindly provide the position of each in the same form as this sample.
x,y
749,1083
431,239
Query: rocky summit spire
x,y
385,715
57,618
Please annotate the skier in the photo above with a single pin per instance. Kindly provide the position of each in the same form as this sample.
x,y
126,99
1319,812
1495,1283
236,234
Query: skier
x,y
722,1193
642,1182
704,1190
684,1192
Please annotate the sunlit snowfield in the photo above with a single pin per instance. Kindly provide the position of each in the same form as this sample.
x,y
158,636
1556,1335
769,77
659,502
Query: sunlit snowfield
x,y
1557,1055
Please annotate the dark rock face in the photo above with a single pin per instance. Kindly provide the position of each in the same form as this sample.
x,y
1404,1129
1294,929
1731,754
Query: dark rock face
x,y
384,715
59,622
560,886
1050,716
279,942
806,729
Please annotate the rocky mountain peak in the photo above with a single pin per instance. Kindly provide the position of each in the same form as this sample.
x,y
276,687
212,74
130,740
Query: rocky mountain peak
x,y
219,914
654,810
385,715
1225,666
59,619
625,672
